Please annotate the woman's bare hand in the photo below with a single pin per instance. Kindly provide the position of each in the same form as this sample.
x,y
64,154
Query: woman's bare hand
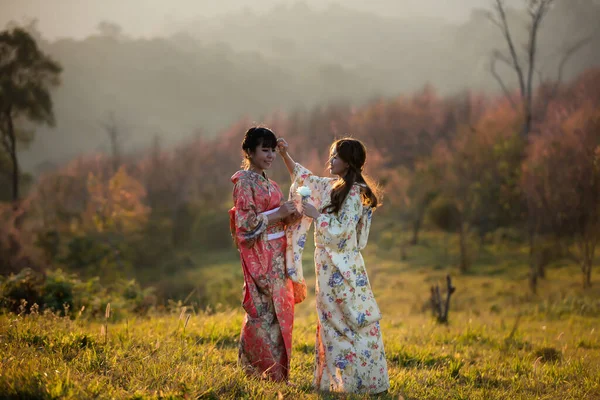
x,y
282,146
290,219
287,209
310,211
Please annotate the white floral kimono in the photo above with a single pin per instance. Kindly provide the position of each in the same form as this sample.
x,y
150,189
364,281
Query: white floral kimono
x,y
349,349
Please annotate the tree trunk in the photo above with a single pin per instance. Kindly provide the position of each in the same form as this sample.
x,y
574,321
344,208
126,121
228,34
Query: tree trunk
x,y
417,225
543,257
116,153
528,98
464,258
586,264
403,254
541,271
533,268
13,156
588,248
586,272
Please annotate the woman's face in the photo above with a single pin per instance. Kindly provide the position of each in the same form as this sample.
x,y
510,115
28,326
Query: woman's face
x,y
262,157
337,166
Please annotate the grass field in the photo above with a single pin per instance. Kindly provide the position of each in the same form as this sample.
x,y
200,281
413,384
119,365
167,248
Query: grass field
x,y
501,342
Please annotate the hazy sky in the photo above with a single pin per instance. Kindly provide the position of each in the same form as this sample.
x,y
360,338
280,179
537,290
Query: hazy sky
x,y
79,18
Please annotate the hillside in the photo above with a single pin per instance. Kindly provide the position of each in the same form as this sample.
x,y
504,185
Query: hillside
x,y
214,71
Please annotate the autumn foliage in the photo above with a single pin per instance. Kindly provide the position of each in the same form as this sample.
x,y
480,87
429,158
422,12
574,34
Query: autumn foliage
x,y
455,163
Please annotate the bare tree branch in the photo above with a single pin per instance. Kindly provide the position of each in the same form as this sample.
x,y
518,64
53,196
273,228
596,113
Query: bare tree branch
x,y
115,136
540,76
501,57
5,138
6,143
537,15
501,83
440,309
568,54
523,68
493,20
509,41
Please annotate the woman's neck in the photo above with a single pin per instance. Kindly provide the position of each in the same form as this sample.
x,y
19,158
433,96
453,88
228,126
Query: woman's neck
x,y
259,171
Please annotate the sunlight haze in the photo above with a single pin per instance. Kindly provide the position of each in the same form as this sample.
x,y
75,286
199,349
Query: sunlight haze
x,y
78,19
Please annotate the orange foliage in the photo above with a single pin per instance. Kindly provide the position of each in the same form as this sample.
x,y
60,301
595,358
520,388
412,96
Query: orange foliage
x,y
459,143
116,205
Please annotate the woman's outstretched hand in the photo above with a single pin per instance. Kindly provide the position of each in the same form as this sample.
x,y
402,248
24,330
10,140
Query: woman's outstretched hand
x,y
282,149
282,146
288,208
310,211
292,218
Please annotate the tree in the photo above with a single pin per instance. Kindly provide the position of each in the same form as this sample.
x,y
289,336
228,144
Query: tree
x,y
116,136
5,177
115,206
480,176
112,222
444,214
422,191
110,29
525,66
562,181
26,77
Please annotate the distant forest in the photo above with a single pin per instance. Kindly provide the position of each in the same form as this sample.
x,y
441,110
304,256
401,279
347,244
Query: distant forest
x,y
215,71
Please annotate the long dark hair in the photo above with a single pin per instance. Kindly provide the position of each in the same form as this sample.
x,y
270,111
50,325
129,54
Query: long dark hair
x,y
354,153
254,137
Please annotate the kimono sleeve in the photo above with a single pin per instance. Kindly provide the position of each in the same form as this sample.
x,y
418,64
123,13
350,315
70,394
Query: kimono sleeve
x,y
336,229
363,228
249,224
317,185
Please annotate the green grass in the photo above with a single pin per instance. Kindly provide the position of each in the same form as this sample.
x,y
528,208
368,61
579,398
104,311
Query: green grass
x,y
501,342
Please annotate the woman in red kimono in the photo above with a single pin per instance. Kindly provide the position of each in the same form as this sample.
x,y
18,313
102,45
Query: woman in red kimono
x,y
258,227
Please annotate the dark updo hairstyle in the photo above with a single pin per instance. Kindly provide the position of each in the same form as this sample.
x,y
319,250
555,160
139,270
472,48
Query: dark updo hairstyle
x,y
254,137
354,153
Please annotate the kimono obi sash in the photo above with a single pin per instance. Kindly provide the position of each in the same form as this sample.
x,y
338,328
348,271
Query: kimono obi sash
x,y
275,230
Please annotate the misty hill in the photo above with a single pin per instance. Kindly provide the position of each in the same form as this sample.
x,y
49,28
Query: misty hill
x,y
157,87
215,71
400,53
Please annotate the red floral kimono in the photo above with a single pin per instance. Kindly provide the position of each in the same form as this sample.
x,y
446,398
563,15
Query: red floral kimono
x,y
266,338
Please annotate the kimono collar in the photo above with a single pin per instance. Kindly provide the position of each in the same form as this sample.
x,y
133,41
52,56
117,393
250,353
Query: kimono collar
x,y
247,174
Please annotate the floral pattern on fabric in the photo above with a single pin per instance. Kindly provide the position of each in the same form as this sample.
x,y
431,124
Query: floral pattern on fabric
x,y
349,348
266,337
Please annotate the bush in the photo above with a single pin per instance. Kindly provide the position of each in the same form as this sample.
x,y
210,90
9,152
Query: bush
x,y
138,300
444,214
84,253
59,292
105,255
49,243
26,285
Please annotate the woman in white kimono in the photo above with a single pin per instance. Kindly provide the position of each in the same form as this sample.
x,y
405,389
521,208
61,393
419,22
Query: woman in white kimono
x,y
349,349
